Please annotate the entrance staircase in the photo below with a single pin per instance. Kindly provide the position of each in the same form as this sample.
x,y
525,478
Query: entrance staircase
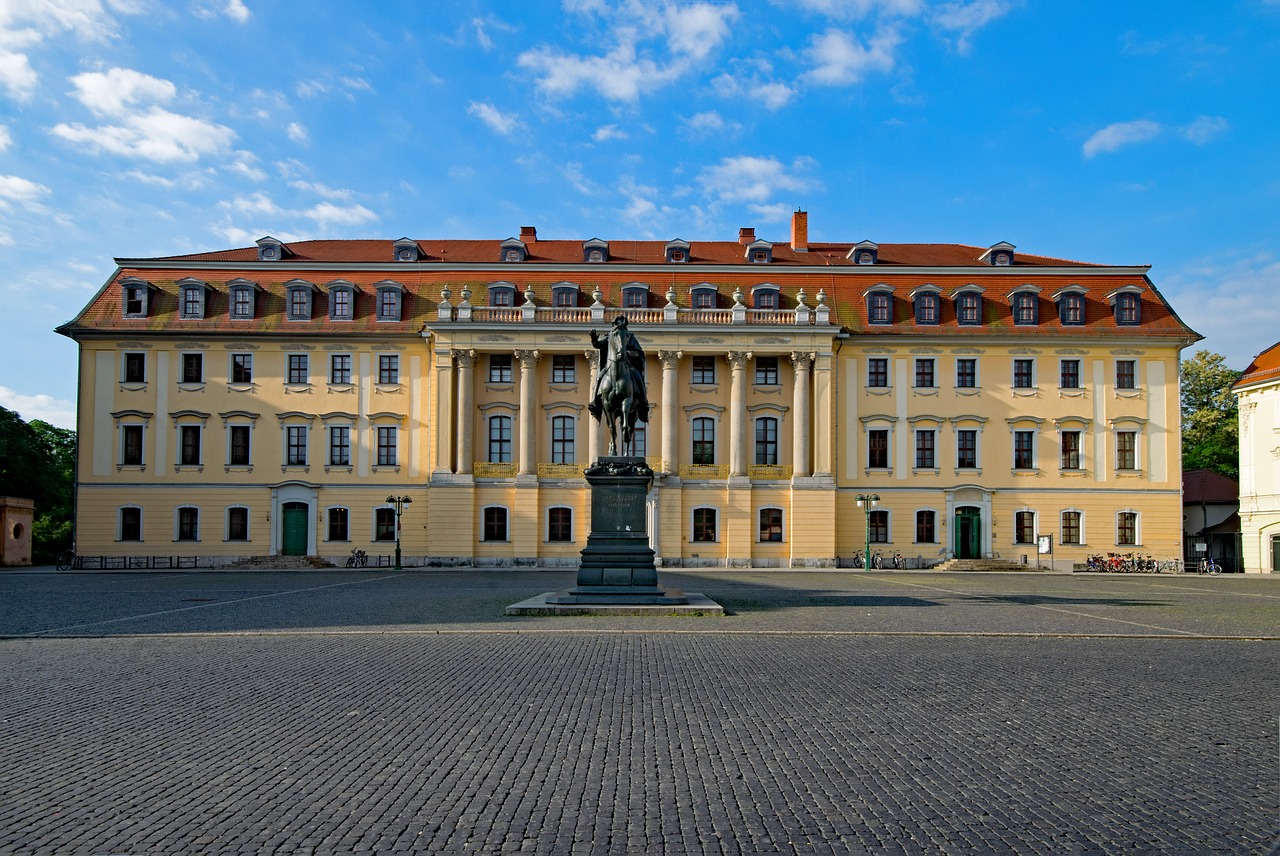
x,y
983,565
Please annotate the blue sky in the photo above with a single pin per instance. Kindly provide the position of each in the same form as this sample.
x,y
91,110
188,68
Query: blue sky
x,y
1122,133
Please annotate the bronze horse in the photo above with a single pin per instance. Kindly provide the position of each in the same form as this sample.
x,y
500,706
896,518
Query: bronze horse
x,y
621,399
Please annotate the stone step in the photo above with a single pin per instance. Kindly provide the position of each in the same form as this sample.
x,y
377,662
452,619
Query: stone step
x,y
983,565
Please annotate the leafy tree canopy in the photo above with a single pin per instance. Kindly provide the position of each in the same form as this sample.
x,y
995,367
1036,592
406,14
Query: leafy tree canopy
x,y
1210,428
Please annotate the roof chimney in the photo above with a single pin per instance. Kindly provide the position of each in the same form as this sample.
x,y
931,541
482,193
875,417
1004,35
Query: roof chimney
x,y
800,231
528,234
746,235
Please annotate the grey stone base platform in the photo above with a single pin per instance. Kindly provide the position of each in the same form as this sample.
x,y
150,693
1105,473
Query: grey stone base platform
x,y
696,604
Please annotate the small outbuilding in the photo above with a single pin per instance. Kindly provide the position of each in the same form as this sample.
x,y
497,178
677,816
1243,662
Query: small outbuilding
x,y
16,515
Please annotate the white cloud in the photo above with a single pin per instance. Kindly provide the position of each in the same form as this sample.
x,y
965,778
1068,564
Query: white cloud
x,y
26,24
246,163
752,179
1121,134
236,11
298,133
774,96
840,60
156,135
255,203
699,29
1233,295
854,9
777,213
327,215
573,173
16,75
117,91
499,122
481,36
18,190
965,19
5,138
55,411
1205,128
608,132
709,122
322,190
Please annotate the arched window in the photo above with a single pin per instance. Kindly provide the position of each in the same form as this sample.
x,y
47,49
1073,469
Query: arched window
x,y
495,523
771,524
704,524
560,525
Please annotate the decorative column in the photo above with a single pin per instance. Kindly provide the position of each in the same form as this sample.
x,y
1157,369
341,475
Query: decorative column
x,y
528,401
738,412
593,425
444,411
670,405
800,425
466,361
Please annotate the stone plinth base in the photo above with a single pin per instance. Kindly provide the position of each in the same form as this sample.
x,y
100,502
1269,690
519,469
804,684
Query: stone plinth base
x,y
695,603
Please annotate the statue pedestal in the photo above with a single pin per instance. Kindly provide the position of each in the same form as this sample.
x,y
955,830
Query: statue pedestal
x,y
617,563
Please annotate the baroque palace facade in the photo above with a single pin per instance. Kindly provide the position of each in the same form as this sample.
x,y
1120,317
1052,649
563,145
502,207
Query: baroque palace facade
x,y
269,400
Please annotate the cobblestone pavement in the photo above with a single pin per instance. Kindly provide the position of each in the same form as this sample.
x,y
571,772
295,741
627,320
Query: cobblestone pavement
x,y
836,713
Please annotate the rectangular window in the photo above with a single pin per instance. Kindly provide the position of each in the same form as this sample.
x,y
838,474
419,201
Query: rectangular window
x,y
704,369
499,368
564,368
188,524
926,527
640,440
635,298
878,372
879,523
241,302
386,447
966,373
193,368
771,524
131,524
384,524
704,298
242,368
1070,374
878,449
340,368
340,303
339,528
299,304
1024,456
1024,527
339,446
880,307
1126,374
192,303
1071,450
704,441
1127,309
927,308
238,452
1127,529
560,525
766,442
924,373
967,448
1024,308
296,445
1070,527
495,524
238,524
767,371
499,439
388,368
298,368
925,458
1023,374
704,524
131,446
388,304
189,445
135,368
562,440
134,301
1126,450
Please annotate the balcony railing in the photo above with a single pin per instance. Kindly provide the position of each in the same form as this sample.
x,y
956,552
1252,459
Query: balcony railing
x,y
769,473
560,471
819,315
487,470
699,472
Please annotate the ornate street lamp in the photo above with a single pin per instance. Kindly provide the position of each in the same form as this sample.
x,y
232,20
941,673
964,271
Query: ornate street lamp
x,y
867,501
399,502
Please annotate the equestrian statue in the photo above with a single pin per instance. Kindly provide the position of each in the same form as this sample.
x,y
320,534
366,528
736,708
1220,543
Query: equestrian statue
x,y
619,397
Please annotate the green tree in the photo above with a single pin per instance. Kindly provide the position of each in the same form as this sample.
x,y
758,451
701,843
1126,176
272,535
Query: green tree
x,y
1210,430
37,461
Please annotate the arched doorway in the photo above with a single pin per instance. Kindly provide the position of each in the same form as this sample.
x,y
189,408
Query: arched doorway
x,y
968,532
294,525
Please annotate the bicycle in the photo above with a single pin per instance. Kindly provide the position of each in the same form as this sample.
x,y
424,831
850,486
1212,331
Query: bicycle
x,y
1172,566
877,560
1208,566
899,561
68,559
358,559
858,561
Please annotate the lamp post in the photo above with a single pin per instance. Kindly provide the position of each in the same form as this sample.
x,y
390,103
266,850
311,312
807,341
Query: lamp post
x,y
867,501
399,502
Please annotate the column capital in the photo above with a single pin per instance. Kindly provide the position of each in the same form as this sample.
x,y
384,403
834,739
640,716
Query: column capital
x,y
593,358
670,359
528,358
802,361
466,358
738,359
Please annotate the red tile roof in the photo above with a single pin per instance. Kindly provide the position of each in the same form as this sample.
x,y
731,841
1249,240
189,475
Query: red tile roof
x,y
1265,366
1208,486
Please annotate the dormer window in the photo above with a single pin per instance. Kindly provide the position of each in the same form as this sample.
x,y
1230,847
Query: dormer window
x,y
502,294
760,252
927,301
243,298
1025,305
879,304
390,300
342,300
1070,306
864,253
1127,304
635,296
595,250
703,297
514,250
406,250
270,249
191,298
766,297
998,255
969,307
298,293
677,251
564,295
135,297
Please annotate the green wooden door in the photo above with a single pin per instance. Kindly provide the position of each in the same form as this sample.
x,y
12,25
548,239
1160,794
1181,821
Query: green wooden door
x,y
294,537
968,529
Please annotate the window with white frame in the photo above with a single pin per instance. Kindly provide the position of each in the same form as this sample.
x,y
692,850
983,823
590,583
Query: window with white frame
x,y
877,372
1126,450
130,523
299,369
239,445
339,445
189,445
237,523
388,369
339,523
188,523
495,523
131,445
1127,529
878,448
134,367
1126,374
1024,450
560,525
499,439
704,441
639,440
1024,527
340,368
967,448
562,440
1071,447
926,448
242,368
926,526
1024,375
925,378
966,373
1069,374
704,524
192,368
387,445
771,524
767,441
1072,528
878,521
384,524
564,368
295,445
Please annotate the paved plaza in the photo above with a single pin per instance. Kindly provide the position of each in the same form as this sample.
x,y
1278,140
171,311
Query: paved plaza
x,y
382,712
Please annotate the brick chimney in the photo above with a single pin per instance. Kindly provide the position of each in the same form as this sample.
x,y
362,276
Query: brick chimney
x,y
746,235
800,231
528,234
